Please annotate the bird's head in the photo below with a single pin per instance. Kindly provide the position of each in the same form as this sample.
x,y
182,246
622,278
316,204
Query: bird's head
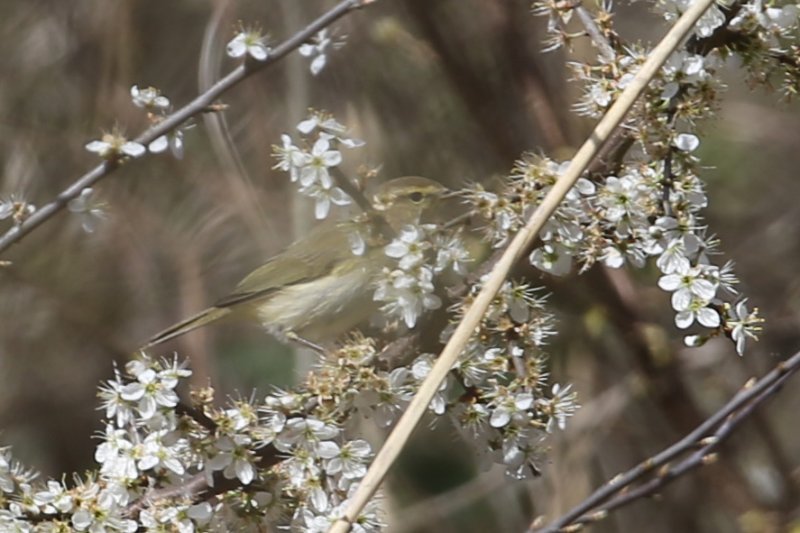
x,y
407,200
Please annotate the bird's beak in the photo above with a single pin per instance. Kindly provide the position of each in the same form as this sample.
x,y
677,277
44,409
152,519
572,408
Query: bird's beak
x,y
447,194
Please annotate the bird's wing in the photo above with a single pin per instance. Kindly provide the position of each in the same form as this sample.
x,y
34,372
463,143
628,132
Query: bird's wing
x,y
265,280
301,262
212,314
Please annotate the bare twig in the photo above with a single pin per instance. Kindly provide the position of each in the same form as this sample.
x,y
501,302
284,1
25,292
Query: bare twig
x,y
594,33
198,105
352,191
419,404
704,440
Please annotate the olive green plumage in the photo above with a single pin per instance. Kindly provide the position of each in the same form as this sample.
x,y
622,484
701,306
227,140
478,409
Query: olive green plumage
x,y
317,288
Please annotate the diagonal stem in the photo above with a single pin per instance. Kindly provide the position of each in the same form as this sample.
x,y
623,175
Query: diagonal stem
x,y
419,404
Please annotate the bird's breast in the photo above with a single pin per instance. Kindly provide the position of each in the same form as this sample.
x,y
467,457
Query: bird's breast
x,y
324,308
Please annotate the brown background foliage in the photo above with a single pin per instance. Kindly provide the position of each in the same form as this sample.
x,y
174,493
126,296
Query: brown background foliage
x,y
451,89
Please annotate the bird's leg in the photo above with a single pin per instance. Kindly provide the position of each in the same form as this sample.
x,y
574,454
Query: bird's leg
x,y
305,343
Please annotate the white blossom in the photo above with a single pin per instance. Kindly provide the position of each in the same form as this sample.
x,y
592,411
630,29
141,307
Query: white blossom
x,y
89,208
234,458
690,283
317,50
686,142
349,460
744,323
150,392
552,258
409,247
149,98
113,145
407,294
249,42
16,208
172,141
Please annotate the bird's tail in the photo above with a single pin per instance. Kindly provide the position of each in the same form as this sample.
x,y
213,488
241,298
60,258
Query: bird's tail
x,y
211,314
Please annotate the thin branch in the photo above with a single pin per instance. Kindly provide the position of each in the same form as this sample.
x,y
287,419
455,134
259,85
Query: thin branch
x,y
352,191
196,414
594,33
419,404
195,107
194,485
618,492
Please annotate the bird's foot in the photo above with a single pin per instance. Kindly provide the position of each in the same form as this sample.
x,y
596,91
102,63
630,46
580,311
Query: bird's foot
x,y
305,343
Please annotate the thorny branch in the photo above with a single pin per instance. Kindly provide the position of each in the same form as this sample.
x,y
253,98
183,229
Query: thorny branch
x,y
171,122
705,439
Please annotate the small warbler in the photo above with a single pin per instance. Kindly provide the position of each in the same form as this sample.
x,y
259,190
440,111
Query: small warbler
x,y
318,288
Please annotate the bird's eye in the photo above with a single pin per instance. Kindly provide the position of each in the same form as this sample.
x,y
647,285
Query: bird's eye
x,y
415,197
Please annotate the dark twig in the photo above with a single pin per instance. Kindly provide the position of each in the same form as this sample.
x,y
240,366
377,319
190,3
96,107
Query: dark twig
x,y
704,440
196,414
199,105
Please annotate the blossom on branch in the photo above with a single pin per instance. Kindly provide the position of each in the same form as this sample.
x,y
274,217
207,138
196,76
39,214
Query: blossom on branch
x,y
249,42
113,146
89,208
149,98
312,164
317,49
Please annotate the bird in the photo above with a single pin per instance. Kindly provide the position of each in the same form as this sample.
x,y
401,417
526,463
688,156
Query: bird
x,y
317,288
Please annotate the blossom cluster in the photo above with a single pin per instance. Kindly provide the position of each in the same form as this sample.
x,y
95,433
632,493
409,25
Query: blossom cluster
x,y
167,467
311,164
418,254
498,393
508,404
762,34
158,106
140,444
288,460
648,201
627,218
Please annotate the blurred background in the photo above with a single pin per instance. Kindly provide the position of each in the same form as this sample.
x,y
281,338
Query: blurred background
x,y
455,90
